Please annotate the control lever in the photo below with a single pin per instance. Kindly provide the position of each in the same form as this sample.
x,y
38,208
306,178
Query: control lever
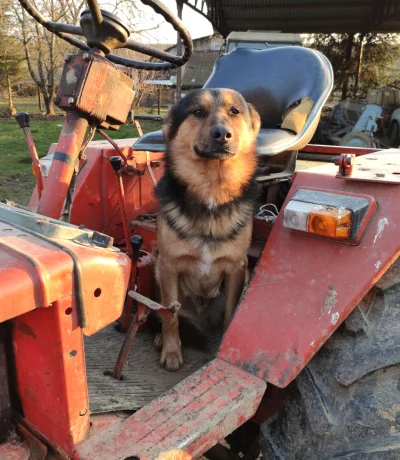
x,y
136,243
144,307
116,163
23,121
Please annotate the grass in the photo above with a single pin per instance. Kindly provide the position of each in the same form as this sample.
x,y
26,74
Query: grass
x,y
16,179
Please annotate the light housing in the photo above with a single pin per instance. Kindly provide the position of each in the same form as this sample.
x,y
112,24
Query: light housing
x,y
325,214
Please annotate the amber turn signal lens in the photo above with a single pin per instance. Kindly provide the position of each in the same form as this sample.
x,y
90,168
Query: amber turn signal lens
x,y
33,170
330,222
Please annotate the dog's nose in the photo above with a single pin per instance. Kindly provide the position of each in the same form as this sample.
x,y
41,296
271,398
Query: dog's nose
x,y
221,134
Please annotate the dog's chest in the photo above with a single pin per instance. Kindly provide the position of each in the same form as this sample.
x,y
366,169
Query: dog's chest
x,y
206,260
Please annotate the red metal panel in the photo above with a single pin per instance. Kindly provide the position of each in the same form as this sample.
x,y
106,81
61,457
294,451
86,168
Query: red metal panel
x,y
50,371
96,197
95,202
35,274
336,150
191,418
304,287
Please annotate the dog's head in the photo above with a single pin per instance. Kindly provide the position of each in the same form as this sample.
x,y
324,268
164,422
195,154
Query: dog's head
x,y
212,124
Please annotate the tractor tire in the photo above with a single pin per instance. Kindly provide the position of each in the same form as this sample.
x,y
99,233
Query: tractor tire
x,y
394,134
346,403
356,139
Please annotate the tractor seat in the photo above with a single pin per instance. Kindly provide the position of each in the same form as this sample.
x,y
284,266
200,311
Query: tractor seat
x,y
287,85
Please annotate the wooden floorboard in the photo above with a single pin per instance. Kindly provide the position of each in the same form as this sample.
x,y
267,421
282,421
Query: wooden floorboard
x,y
143,380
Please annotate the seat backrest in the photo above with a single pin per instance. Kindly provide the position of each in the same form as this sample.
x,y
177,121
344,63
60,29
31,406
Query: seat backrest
x,y
274,79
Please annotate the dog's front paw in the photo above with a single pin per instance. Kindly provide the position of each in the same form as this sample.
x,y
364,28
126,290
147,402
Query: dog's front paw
x,y
158,342
171,357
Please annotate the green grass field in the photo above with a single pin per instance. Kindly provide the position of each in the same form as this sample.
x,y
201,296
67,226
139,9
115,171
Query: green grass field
x,y
16,179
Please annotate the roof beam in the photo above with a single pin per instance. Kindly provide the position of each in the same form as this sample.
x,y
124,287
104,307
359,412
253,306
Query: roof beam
x,y
312,6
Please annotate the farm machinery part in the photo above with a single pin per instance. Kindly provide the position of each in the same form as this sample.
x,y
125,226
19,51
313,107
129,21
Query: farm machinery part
x,y
368,124
61,281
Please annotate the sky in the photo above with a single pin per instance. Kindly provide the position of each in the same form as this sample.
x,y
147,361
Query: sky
x,y
197,25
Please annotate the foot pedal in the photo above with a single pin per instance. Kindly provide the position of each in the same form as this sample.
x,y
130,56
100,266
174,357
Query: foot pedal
x,y
189,419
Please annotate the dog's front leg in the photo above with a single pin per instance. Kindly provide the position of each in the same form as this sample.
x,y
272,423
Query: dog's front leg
x,y
234,283
171,354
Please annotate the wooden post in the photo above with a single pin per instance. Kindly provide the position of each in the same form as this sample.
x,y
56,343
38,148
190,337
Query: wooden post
x,y
349,49
359,63
159,100
178,91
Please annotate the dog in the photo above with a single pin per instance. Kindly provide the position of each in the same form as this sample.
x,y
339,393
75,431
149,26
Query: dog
x,y
206,195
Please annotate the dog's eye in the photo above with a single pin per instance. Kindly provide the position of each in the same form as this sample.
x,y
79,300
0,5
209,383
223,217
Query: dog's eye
x,y
234,111
199,113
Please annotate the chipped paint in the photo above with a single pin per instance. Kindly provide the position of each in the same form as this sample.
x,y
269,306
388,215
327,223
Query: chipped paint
x,y
378,264
330,300
334,318
70,76
381,226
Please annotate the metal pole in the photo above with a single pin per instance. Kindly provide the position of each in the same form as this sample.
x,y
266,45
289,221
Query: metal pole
x,y
159,100
62,167
359,62
178,92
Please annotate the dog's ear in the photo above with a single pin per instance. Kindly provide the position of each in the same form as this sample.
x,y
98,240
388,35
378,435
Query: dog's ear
x,y
255,118
166,129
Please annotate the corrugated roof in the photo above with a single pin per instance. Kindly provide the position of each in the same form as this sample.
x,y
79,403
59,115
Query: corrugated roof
x,y
199,68
301,16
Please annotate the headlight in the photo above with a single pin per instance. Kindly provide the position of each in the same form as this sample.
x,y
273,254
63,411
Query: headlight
x,y
330,215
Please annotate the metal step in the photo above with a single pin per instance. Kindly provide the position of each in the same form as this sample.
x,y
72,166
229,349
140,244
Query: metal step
x,y
190,418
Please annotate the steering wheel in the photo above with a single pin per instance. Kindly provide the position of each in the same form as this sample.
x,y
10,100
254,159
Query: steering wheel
x,y
104,31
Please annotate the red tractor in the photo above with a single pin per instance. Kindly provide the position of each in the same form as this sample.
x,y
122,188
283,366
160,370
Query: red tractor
x,y
312,354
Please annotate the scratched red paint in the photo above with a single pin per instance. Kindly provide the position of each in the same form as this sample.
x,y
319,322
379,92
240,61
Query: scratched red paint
x,y
192,417
285,316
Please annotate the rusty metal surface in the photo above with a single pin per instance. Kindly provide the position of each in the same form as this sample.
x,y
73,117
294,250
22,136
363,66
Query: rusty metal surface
x,y
60,174
336,150
50,373
96,203
304,287
36,274
384,166
191,418
92,85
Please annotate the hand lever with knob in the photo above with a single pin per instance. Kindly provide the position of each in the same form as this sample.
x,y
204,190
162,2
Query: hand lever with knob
x,y
116,164
23,121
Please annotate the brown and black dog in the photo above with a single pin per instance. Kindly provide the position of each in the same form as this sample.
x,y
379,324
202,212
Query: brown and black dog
x,y
207,198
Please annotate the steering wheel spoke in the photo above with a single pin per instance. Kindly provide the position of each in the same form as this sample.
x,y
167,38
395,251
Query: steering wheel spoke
x,y
151,51
105,31
64,28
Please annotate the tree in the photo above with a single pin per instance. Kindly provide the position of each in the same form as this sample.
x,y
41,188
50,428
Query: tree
x,y
10,55
44,51
379,52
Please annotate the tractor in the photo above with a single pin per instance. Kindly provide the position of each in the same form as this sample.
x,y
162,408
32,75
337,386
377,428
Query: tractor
x,y
309,366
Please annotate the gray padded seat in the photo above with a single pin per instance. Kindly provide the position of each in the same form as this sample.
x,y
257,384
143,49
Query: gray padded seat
x,y
272,80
